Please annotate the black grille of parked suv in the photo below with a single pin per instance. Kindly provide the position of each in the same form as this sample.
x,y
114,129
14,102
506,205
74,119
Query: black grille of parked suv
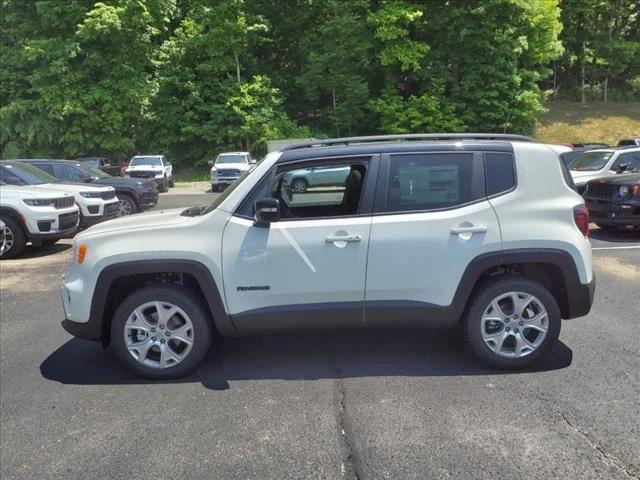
x,y
64,202
108,195
601,190
67,220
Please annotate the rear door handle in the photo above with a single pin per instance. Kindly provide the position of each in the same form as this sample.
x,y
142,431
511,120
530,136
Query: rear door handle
x,y
471,229
343,238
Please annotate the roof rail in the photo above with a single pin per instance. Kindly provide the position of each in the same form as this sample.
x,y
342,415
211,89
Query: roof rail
x,y
409,137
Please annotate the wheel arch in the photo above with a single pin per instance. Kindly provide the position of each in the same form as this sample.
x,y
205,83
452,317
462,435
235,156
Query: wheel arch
x,y
554,269
119,280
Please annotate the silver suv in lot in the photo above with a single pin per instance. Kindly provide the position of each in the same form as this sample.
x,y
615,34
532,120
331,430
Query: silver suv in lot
x,y
422,230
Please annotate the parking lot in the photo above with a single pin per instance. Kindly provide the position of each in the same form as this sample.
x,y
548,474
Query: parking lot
x,y
365,404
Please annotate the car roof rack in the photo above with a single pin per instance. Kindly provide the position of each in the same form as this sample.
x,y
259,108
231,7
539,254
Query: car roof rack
x,y
409,137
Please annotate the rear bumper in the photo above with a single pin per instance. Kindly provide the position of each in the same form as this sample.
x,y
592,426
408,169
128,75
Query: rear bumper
x,y
580,299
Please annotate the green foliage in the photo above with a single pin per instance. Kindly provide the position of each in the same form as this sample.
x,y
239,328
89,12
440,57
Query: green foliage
x,y
189,78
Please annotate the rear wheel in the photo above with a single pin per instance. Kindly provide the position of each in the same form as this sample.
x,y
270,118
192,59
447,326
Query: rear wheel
x,y
299,185
161,332
511,322
126,206
14,240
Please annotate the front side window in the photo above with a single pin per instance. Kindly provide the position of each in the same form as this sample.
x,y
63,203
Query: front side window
x,y
429,181
631,161
316,191
69,173
28,175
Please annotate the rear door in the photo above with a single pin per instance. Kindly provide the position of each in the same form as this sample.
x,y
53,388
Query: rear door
x,y
431,219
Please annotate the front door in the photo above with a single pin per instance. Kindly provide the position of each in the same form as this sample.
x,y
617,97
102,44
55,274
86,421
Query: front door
x,y
308,269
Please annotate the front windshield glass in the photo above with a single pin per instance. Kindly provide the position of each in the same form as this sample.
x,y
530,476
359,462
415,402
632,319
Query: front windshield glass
x,y
154,161
591,161
231,159
94,172
28,174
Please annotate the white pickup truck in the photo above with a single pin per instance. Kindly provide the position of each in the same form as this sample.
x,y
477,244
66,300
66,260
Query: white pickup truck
x,y
155,167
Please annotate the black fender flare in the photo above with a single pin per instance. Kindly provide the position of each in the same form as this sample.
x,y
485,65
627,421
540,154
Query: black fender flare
x,y
97,326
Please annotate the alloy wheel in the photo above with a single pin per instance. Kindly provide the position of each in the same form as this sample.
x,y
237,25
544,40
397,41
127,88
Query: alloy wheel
x,y
514,324
159,334
124,208
8,239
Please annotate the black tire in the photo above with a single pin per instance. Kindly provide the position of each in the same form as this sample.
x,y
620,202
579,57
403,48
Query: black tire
x,y
299,185
164,186
214,187
130,206
180,297
481,300
171,183
19,239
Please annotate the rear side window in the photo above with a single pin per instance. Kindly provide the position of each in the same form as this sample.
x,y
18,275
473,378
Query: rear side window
x,y
429,181
500,172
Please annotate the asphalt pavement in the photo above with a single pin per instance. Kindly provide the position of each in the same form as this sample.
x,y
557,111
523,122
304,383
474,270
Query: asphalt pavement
x,y
366,404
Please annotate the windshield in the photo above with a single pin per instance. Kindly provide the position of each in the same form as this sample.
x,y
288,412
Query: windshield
x,y
93,171
591,161
227,158
154,161
226,193
27,174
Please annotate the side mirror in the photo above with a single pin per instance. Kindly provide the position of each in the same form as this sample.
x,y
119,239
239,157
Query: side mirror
x,y
267,211
13,181
622,167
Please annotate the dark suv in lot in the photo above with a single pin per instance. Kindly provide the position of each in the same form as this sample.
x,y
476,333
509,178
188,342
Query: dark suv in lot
x,y
135,194
614,202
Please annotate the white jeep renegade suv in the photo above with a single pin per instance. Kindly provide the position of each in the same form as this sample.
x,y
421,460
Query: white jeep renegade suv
x,y
485,231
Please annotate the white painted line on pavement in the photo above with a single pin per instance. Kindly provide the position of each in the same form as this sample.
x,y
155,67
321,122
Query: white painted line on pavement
x,y
627,247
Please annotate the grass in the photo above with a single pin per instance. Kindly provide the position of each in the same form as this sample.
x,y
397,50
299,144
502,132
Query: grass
x,y
192,175
572,122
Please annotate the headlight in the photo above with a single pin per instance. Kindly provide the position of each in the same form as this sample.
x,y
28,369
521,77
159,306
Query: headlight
x,y
624,190
39,202
91,194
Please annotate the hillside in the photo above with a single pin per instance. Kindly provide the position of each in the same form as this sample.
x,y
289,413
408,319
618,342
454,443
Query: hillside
x,y
595,122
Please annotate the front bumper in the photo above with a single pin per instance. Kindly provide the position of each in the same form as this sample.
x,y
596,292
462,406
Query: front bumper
x,y
110,211
147,200
87,331
223,180
613,213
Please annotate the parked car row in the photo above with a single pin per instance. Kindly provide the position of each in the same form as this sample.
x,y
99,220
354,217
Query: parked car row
x,y
609,181
44,200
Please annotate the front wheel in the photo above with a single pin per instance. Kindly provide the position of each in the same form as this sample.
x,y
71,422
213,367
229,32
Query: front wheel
x,y
161,332
126,206
164,186
13,240
511,322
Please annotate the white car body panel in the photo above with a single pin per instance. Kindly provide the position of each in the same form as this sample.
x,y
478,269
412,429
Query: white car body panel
x,y
539,212
293,259
415,257
13,195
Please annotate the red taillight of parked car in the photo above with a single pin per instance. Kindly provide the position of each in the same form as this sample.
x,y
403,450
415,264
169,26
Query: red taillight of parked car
x,y
581,217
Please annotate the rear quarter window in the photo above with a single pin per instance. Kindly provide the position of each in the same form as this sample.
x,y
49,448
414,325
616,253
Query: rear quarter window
x,y
500,172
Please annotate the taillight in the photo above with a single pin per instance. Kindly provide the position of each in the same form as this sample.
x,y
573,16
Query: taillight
x,y
581,217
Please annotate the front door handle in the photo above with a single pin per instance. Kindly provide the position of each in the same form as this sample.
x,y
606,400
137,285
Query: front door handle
x,y
343,238
469,229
